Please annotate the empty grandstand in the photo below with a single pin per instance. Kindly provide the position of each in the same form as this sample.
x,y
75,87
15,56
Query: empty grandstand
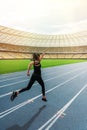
x,y
15,44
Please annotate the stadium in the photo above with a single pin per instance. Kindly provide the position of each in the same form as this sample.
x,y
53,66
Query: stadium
x,y
63,69
15,44
12,45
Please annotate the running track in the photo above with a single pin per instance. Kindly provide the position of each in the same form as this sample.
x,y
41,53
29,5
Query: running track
x,y
66,108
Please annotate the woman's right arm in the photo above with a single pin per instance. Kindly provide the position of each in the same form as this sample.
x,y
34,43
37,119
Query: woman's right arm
x,y
29,67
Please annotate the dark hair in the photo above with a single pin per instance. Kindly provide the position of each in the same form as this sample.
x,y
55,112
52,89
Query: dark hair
x,y
36,56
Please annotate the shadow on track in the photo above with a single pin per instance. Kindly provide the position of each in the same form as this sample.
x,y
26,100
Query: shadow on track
x,y
29,123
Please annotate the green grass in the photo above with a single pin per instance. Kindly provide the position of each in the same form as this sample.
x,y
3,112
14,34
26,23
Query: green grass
x,y
8,66
57,62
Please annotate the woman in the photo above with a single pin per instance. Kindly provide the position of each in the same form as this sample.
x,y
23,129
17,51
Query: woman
x,y
36,76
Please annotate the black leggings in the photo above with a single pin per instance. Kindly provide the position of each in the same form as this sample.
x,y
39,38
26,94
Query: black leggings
x,y
34,78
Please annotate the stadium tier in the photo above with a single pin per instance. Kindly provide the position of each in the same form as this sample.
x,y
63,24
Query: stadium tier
x,y
16,44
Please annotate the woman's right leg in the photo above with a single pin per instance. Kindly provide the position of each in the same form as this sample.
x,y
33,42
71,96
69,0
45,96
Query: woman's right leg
x,y
32,80
14,94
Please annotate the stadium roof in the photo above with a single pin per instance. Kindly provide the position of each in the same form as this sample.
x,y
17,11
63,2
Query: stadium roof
x,y
16,37
44,16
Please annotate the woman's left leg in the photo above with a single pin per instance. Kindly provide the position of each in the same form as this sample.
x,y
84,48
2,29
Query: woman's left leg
x,y
40,81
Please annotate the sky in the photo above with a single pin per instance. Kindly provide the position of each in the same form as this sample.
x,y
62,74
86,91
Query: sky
x,y
44,16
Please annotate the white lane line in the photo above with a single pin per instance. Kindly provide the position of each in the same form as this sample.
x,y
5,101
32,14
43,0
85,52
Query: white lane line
x,y
12,75
12,78
45,80
6,94
3,114
23,72
14,108
56,116
26,76
34,98
13,83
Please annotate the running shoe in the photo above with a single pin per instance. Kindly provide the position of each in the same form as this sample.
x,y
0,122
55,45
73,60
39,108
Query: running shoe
x,y
13,96
44,99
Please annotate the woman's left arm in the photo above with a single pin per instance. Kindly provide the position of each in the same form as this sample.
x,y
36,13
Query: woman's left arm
x,y
41,56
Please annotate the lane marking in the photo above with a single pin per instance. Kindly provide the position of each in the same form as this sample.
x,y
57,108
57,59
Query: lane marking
x,y
27,76
56,116
15,107
3,114
13,83
12,74
44,80
6,112
11,78
20,73
6,94
24,76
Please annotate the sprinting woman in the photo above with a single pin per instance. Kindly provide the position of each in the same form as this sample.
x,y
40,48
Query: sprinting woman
x,y
36,76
